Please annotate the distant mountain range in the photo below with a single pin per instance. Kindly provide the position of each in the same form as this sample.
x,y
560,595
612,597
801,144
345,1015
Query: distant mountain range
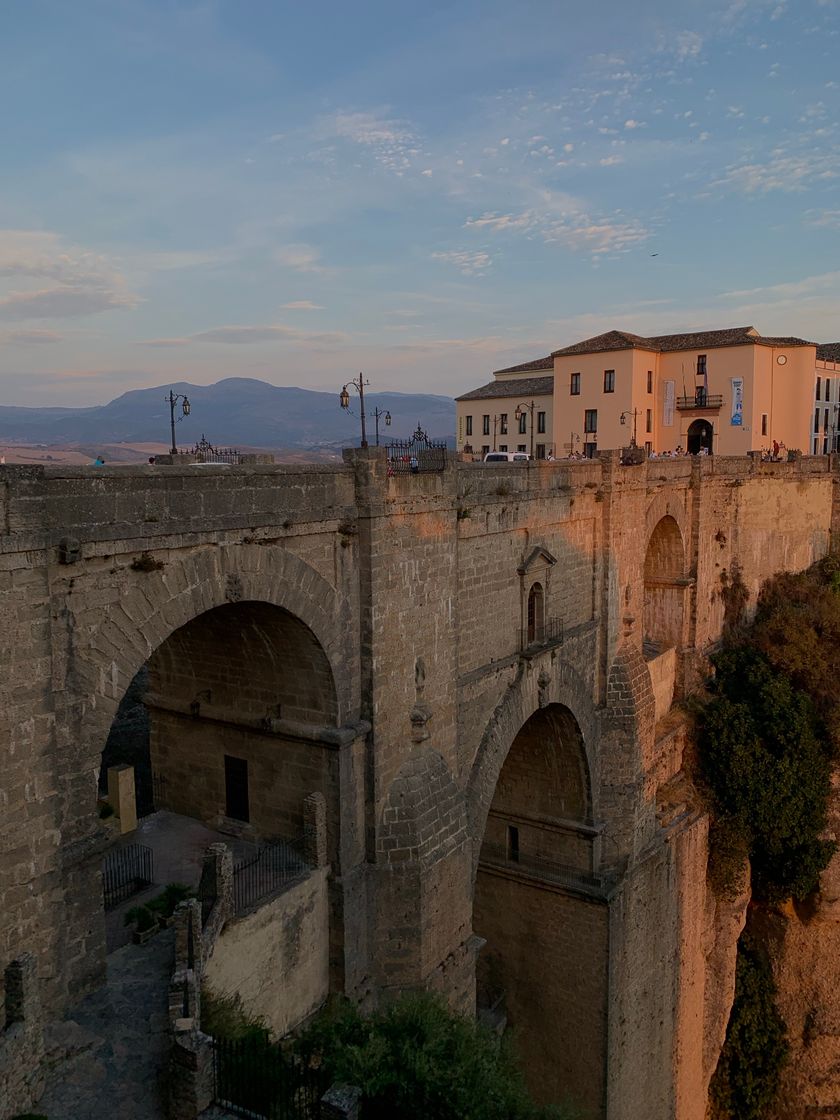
x,y
238,411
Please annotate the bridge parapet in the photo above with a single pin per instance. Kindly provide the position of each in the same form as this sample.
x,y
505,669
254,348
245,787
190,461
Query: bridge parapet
x,y
40,505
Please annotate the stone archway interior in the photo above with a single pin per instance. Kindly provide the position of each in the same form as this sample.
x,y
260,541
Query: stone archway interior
x,y
236,699
543,969
664,588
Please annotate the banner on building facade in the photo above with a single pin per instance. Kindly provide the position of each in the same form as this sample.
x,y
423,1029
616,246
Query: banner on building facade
x,y
668,406
737,401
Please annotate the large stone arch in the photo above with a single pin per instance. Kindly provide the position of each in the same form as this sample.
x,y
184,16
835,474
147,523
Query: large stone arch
x,y
539,909
535,687
109,645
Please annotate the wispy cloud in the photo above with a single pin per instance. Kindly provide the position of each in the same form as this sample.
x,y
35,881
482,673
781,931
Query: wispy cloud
x,y
780,171
250,335
30,337
392,142
79,282
301,258
468,263
301,305
567,223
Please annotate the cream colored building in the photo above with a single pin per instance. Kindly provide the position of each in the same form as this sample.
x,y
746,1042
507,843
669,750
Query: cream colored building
x,y
726,391
825,432
486,418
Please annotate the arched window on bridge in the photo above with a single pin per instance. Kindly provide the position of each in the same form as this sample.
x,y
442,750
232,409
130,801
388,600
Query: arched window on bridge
x,y
536,614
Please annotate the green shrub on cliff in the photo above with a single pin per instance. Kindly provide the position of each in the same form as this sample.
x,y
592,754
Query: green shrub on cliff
x,y
416,1060
747,1076
770,733
766,756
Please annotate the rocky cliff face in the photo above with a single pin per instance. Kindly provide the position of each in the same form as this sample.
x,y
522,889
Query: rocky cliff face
x,y
724,921
804,946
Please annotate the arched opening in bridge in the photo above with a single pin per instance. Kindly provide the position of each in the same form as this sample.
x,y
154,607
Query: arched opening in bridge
x,y
233,713
665,588
699,437
540,908
536,614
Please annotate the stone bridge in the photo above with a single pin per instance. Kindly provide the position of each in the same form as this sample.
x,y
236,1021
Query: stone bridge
x,y
476,668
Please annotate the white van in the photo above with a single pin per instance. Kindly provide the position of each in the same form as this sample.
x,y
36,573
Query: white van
x,y
506,457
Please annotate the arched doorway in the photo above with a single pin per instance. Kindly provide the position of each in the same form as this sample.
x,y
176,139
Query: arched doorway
x,y
665,588
540,910
699,437
536,614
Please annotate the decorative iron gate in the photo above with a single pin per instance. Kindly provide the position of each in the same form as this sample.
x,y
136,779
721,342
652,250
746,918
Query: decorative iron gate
x,y
205,452
416,455
255,1078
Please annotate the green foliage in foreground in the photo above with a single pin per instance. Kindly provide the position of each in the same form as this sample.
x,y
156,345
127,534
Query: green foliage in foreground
x,y
416,1060
747,1076
769,735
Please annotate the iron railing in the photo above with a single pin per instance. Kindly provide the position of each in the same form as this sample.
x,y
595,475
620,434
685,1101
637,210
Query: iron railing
x,y
125,871
564,875
205,452
254,1078
261,875
416,455
546,633
699,400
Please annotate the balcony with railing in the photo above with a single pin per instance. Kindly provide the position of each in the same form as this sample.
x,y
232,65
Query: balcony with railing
x,y
541,634
700,402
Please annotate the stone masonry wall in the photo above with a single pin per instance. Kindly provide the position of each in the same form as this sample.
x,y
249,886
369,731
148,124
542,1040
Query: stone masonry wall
x,y
413,588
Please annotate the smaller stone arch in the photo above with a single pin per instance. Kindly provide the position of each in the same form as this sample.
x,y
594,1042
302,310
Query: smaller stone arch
x,y
666,583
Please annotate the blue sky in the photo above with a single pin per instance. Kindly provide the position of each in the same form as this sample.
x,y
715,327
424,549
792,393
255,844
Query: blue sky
x,y
426,192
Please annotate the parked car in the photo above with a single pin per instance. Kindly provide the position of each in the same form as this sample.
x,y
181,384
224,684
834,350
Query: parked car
x,y
506,457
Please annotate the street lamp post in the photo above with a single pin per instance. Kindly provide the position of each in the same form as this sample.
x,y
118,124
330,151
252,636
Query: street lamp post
x,y
521,409
386,416
173,399
344,397
623,420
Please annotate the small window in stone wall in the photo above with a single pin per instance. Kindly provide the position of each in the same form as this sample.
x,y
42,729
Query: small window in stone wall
x,y
764,423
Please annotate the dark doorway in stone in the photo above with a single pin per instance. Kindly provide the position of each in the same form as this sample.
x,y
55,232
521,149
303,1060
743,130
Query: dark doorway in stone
x,y
699,438
236,789
541,911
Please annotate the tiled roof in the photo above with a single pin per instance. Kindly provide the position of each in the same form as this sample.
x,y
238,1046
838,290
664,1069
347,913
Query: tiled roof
x,y
521,387
538,363
829,352
603,343
695,340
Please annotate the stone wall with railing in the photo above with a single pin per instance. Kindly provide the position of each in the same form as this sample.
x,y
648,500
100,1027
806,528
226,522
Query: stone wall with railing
x,y
204,923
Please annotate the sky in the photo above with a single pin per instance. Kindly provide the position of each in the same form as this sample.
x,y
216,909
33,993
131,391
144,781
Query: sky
x,y
422,192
